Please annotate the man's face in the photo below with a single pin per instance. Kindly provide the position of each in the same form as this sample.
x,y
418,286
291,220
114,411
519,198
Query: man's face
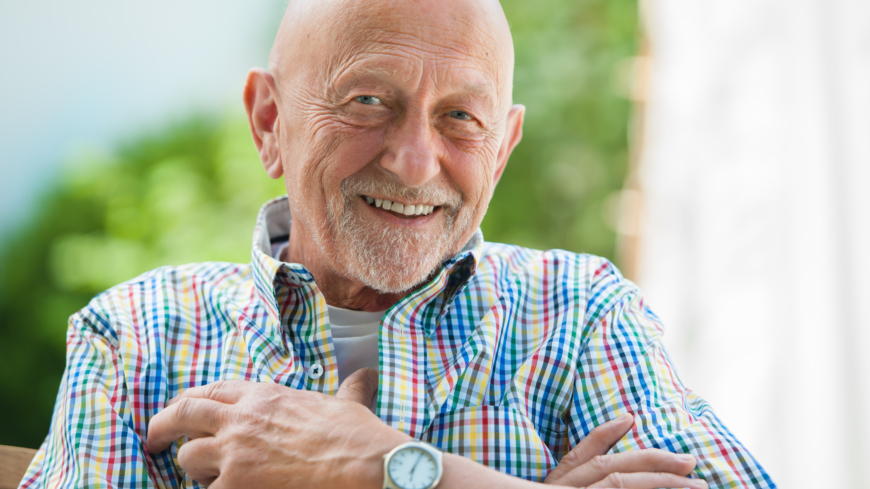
x,y
392,116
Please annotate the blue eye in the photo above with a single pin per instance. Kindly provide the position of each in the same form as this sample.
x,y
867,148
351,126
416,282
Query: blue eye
x,y
368,100
458,114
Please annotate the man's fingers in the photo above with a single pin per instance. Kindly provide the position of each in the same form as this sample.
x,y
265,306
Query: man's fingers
x,y
598,442
648,480
200,459
225,391
601,439
649,460
191,417
360,387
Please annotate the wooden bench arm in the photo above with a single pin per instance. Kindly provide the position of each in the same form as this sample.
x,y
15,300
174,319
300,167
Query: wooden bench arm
x,y
13,464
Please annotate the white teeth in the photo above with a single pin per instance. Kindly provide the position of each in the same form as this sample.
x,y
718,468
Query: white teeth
x,y
407,210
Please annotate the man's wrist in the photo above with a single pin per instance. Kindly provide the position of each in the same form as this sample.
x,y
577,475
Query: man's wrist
x,y
413,464
370,472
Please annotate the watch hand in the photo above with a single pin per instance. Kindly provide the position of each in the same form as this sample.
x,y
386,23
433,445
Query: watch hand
x,y
411,474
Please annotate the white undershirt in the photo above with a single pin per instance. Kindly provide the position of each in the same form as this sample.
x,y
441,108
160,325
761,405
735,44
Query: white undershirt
x,y
355,337
354,334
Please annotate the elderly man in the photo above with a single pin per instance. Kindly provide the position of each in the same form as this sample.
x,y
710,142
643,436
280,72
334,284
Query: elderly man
x,y
377,317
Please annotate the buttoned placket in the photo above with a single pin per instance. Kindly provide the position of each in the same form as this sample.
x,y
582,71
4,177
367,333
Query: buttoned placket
x,y
305,324
402,395
403,401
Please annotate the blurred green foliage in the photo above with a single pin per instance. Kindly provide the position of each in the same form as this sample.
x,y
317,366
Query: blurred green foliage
x,y
190,192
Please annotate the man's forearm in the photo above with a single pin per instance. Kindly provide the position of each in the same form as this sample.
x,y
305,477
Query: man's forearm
x,y
462,472
459,472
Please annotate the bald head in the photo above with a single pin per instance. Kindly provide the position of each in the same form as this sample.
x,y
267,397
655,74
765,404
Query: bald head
x,y
319,38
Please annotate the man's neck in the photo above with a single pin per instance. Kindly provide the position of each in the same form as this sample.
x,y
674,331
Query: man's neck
x,y
337,289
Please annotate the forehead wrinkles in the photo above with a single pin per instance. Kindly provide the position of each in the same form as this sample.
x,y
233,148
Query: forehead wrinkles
x,y
416,61
433,40
415,70
320,38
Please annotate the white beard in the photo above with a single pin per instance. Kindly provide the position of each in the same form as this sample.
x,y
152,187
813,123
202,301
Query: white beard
x,y
387,258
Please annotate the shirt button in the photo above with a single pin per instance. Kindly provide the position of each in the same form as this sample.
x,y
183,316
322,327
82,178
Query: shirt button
x,y
315,371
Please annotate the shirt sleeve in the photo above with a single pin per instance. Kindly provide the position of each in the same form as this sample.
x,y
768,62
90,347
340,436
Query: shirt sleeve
x,y
94,439
625,368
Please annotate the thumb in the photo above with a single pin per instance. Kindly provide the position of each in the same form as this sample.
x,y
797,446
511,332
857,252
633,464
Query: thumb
x,y
598,442
360,387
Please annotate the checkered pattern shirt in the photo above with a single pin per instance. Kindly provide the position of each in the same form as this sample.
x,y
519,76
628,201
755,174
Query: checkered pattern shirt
x,y
508,356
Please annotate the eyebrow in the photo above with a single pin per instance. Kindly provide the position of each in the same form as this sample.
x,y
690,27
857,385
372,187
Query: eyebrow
x,y
481,89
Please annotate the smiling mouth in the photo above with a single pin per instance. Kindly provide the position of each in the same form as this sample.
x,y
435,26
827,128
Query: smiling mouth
x,y
402,210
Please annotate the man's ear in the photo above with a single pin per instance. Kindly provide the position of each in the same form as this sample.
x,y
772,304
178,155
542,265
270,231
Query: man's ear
x,y
262,111
512,135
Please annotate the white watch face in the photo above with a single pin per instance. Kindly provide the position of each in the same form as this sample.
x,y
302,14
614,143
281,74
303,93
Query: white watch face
x,y
413,468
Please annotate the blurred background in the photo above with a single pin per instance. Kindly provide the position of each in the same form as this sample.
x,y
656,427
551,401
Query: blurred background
x,y
717,152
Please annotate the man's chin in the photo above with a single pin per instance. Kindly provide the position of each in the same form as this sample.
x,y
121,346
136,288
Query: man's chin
x,y
388,258
394,274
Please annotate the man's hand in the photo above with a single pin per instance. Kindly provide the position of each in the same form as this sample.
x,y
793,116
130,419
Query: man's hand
x,y
246,434
587,465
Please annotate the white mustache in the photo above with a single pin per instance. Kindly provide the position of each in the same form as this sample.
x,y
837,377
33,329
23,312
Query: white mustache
x,y
389,187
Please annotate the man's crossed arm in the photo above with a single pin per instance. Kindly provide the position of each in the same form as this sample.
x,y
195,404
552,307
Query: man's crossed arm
x,y
245,434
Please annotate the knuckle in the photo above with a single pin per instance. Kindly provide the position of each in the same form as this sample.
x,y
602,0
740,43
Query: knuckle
x,y
601,462
574,456
248,419
183,408
216,388
616,479
238,415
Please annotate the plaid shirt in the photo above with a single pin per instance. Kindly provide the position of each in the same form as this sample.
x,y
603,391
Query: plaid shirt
x,y
508,356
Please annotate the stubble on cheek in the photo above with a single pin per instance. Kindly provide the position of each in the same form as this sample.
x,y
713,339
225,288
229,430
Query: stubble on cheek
x,y
310,184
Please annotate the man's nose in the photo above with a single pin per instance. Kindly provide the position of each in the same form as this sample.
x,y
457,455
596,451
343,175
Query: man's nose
x,y
411,150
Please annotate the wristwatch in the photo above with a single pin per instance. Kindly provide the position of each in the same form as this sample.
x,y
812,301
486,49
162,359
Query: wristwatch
x,y
413,465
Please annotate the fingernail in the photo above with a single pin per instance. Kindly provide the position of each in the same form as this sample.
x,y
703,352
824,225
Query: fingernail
x,y
687,458
699,484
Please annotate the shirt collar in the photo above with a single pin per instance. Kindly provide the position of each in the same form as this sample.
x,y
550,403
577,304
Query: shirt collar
x,y
273,225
